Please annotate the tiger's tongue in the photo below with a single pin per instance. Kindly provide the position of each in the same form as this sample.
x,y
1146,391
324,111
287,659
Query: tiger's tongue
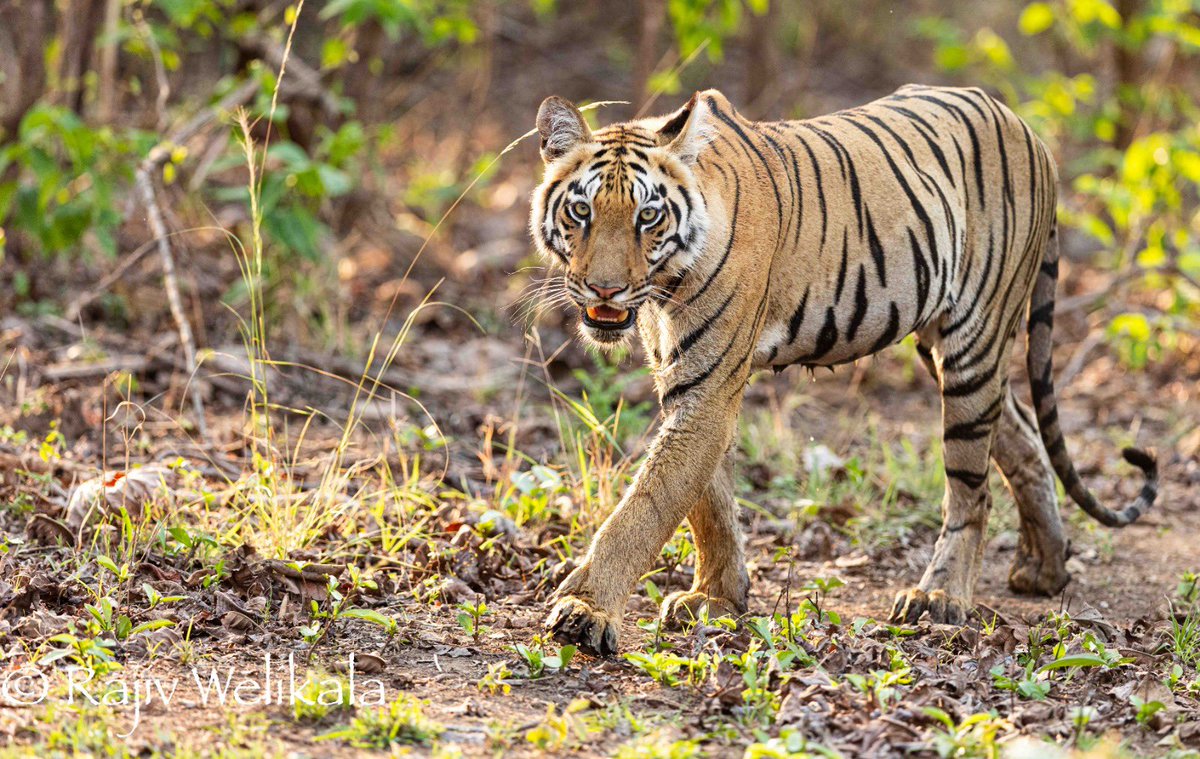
x,y
606,314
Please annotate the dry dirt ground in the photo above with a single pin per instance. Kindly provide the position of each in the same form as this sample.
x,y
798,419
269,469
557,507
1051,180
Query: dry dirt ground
x,y
1109,666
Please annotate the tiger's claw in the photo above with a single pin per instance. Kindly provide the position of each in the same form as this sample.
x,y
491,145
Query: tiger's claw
x,y
573,620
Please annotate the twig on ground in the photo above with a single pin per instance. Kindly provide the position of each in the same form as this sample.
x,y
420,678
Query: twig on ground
x,y
127,364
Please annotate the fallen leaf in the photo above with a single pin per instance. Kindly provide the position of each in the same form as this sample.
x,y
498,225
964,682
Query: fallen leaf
x,y
364,663
235,620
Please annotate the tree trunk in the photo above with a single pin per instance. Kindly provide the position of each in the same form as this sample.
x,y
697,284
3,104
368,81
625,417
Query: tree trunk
x,y
81,22
25,28
651,15
761,63
1128,68
106,96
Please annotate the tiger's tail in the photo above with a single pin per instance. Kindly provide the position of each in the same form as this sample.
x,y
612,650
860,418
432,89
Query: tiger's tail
x,y
1039,362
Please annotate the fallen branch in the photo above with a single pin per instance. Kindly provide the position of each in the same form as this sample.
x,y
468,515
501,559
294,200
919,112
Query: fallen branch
x,y
127,364
145,188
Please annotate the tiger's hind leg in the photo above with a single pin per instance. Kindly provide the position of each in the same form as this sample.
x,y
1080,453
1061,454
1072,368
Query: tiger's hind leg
x,y
1040,564
973,393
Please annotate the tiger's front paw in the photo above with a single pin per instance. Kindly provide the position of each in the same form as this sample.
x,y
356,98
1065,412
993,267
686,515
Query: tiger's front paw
x,y
943,608
687,606
575,620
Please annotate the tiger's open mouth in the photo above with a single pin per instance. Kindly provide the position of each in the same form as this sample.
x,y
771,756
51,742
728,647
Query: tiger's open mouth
x,y
607,317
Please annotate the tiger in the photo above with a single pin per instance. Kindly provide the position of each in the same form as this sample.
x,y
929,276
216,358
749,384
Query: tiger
x,y
732,246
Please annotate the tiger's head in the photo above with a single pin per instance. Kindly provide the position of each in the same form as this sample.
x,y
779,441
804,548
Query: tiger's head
x,y
619,211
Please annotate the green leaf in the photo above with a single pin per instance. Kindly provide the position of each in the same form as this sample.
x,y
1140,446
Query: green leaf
x,y
154,624
565,655
1035,19
370,615
1136,326
1073,660
1033,689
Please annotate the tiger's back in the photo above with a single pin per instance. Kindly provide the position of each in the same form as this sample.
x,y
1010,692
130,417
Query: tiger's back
x,y
903,229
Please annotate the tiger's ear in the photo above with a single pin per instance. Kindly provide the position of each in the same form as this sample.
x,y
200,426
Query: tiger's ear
x,y
687,131
561,127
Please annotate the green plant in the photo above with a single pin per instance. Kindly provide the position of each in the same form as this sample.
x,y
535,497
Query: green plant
x,y
603,389
532,494
434,21
759,701
93,654
401,722
315,700
791,744
121,572
883,687
557,731
1145,710
1081,717
1185,637
655,746
975,736
1026,686
154,598
1188,589
65,176
539,661
673,670
495,680
470,618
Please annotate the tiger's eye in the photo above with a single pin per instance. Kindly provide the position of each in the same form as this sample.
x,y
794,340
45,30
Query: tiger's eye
x,y
581,209
648,215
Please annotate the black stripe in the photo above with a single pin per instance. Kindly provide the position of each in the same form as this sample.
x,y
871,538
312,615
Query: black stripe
x,y
891,333
841,278
976,428
973,480
860,305
797,318
690,339
733,219
876,251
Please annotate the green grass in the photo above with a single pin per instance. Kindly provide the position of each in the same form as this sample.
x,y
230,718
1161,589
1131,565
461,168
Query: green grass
x,y
403,722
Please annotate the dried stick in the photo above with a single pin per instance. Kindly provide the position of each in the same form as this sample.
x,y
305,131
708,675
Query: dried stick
x,y
145,188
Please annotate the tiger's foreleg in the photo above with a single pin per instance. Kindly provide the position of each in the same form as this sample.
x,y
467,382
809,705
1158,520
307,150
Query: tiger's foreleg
x,y
721,584
676,475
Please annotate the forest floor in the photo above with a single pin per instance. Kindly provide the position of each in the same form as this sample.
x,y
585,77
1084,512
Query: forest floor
x,y
397,575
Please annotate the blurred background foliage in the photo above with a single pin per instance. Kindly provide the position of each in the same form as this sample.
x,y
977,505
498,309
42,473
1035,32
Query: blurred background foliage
x,y
391,109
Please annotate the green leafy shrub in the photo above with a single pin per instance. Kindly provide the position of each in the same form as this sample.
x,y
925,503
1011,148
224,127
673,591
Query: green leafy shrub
x,y
63,179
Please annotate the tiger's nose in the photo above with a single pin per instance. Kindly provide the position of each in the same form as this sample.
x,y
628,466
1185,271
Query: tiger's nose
x,y
605,292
